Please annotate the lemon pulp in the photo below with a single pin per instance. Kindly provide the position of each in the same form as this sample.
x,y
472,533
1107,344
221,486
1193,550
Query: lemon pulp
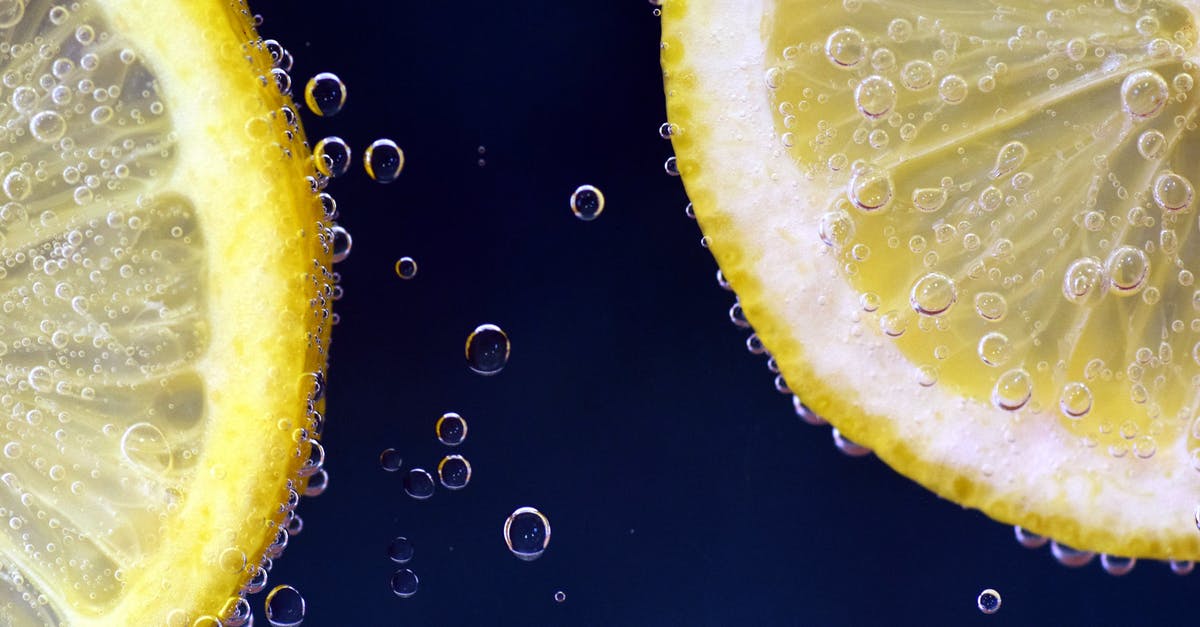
x,y
962,231
164,271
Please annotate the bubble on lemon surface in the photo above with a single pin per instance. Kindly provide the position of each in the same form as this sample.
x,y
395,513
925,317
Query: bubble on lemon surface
x,y
994,349
1172,192
991,306
325,94
1029,539
527,533
1127,269
332,156
875,96
1085,281
933,294
917,75
587,202
1070,556
845,48
454,472
1143,94
988,601
1012,390
451,429
404,583
383,160
147,447
401,550
284,607
1075,400
418,484
1151,144
870,189
1117,565
406,268
847,446
487,349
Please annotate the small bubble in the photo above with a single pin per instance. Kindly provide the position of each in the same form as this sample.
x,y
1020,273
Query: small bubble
x,y
587,202
1070,557
404,583
560,596
836,229
847,446
1117,566
929,198
342,243
1143,94
994,349
284,607
331,155
671,166
383,160
527,533
1085,282
406,268
1075,400
1010,157
875,96
845,48
325,94
1127,269
11,12
933,294
454,471
400,550
988,601
390,460
487,349
952,89
451,429
991,306
899,30
1172,192
667,130
47,126
870,189
418,483
1182,567
917,75
1012,390
893,323
1029,539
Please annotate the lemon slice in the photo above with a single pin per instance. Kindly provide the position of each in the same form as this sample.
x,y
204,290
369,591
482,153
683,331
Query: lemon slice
x,y
163,269
963,230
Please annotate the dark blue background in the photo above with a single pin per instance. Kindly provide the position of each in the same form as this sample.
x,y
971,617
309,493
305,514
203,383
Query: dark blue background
x,y
681,488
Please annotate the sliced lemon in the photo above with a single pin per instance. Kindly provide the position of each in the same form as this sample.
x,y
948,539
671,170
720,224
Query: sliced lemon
x,y
163,268
962,230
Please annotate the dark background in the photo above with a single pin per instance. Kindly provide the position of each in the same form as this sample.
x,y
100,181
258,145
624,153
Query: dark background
x,y
680,486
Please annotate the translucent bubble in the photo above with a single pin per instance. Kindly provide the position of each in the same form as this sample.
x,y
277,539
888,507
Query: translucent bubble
x,y
331,156
1182,567
47,126
1075,400
933,294
145,446
917,75
1029,539
284,607
929,198
390,460
383,160
994,349
11,12
899,30
671,166
988,601
487,349
451,429
845,47
418,483
1068,556
401,550
1012,390
454,471
560,596
1143,94
1172,192
875,96
991,306
1076,49
1127,6
587,202
952,89
836,229
342,243
325,94
406,268
1010,157
1085,282
404,583
1127,269
1115,565
527,533
870,189
847,446
893,323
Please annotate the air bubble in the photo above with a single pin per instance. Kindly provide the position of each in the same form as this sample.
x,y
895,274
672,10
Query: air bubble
x,y
847,446
145,446
331,155
917,75
418,483
991,306
401,550
899,30
1117,566
587,202
933,294
325,94
1010,157
845,48
836,229
875,96
988,601
1127,269
527,533
342,243
1070,557
1075,400
451,429
1029,539
454,472
893,323
284,607
487,349
390,460
383,160
11,12
1172,192
994,349
1085,281
1143,94
870,189
406,268
952,89
929,198
47,126
1012,390
404,583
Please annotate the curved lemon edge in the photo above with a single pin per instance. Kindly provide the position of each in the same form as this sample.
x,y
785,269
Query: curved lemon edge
x,y
716,96
261,225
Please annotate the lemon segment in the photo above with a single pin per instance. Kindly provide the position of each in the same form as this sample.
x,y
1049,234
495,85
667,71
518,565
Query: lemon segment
x,y
165,274
962,231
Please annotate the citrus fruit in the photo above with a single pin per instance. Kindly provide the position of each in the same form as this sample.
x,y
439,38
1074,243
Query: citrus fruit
x,y
962,230
163,260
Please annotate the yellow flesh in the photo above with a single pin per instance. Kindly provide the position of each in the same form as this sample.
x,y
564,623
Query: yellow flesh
x,y
910,200
159,328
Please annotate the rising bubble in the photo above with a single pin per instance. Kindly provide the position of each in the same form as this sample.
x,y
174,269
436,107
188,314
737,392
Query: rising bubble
x,y
331,155
988,601
418,483
325,94
454,471
487,349
991,306
1127,269
587,202
527,533
404,583
451,429
390,460
1172,192
917,75
1075,400
406,268
1151,144
994,348
284,607
1084,282
400,550
870,189
383,160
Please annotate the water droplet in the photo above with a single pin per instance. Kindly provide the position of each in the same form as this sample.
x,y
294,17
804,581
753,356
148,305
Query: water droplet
x,y
1013,389
325,94
988,601
145,446
1143,94
390,460
527,533
875,96
1010,157
933,294
451,429
404,583
1070,557
952,89
47,126
1172,192
847,446
1127,269
418,483
1075,400
454,471
1117,566
331,155
991,306
284,607
870,189
845,48
1029,539
994,348
487,349
406,268
1085,281
587,202
917,75
401,550
929,198
383,160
